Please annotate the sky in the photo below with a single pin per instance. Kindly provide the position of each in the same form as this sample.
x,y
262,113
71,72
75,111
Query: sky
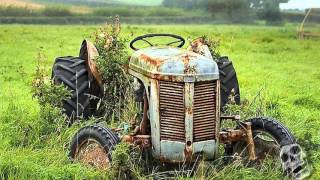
x,y
300,4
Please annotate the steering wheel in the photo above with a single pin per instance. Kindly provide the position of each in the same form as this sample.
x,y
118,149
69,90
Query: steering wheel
x,y
143,38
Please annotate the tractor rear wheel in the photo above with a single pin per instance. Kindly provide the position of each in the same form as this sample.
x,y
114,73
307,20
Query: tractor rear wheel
x,y
93,145
229,87
72,73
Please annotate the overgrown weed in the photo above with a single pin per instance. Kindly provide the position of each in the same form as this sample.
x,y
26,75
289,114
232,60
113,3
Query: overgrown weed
x,y
112,62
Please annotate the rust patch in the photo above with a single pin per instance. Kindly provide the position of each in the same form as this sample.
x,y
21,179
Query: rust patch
x,y
232,135
145,123
251,148
243,134
140,141
166,77
189,110
148,59
195,44
200,46
90,53
188,151
187,68
186,59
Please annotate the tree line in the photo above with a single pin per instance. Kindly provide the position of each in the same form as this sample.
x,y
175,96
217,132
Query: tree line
x,y
236,10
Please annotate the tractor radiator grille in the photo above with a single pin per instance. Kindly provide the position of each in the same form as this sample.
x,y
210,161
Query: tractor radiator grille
x,y
204,117
172,126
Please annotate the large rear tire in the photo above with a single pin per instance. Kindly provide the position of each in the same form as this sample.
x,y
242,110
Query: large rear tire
x,y
72,72
229,87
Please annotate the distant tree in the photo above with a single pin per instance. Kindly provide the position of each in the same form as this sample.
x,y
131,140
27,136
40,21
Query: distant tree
x,y
268,10
236,10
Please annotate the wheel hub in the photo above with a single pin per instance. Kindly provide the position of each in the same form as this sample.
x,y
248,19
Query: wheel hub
x,y
92,153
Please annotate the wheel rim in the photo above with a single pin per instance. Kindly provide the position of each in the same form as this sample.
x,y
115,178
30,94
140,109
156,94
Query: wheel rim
x,y
265,146
92,153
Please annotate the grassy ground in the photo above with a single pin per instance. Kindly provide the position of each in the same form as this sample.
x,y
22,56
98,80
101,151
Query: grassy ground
x,y
268,59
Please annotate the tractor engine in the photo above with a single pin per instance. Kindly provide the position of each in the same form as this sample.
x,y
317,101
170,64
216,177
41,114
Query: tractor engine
x,y
182,91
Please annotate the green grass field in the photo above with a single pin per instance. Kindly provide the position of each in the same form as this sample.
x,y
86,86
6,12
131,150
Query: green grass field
x,y
269,60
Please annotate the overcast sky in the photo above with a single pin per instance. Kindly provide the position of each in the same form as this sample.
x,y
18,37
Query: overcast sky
x,y
300,4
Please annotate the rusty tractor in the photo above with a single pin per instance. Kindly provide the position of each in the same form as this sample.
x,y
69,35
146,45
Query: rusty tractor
x,y
184,91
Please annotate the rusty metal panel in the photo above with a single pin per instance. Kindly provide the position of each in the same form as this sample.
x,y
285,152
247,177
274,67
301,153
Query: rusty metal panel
x,y
172,114
173,64
172,151
217,111
145,80
188,101
89,52
204,117
207,148
154,117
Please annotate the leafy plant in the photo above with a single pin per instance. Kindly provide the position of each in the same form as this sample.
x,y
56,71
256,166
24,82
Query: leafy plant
x,y
50,98
214,45
112,62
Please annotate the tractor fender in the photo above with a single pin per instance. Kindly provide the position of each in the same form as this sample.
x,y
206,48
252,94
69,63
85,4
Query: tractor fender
x,y
89,52
200,46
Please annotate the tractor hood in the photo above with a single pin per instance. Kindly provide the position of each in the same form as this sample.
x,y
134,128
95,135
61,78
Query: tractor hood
x,y
173,64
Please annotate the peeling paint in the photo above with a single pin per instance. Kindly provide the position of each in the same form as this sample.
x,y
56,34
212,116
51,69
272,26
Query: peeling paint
x,y
173,64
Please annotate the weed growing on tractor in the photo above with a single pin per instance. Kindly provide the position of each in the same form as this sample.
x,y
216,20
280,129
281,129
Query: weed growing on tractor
x,y
42,88
113,56
214,46
127,163
50,98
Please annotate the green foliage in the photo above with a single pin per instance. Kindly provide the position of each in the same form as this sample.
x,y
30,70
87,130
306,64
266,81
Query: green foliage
x,y
45,90
101,3
214,46
237,170
121,161
111,62
127,162
244,10
14,11
9,11
268,10
234,10
50,98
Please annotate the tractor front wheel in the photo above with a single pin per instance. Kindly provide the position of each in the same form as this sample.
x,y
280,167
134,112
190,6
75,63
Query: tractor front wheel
x,y
92,145
271,140
269,136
